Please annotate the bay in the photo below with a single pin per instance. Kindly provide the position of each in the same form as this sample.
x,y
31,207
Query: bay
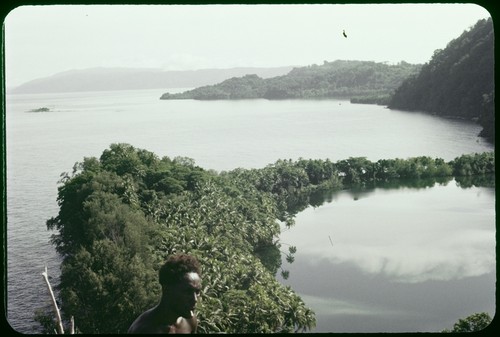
x,y
218,135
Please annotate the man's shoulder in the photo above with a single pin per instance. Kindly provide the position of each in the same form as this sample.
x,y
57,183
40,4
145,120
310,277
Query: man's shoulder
x,y
142,323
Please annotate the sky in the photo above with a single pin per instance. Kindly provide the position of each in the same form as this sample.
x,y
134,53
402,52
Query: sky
x,y
44,40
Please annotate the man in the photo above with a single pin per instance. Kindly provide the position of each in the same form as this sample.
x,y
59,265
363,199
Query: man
x,y
180,279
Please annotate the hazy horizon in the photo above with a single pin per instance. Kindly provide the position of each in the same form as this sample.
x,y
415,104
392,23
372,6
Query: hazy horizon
x,y
157,70
134,69
41,41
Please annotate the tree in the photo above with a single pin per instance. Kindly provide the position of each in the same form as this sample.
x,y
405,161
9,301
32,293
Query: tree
x,y
472,323
121,215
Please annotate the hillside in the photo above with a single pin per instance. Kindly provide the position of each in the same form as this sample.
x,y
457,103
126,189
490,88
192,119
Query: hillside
x,y
103,79
457,82
340,78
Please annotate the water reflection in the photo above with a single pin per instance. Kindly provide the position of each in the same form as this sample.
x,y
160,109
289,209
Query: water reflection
x,y
410,232
326,196
346,299
411,257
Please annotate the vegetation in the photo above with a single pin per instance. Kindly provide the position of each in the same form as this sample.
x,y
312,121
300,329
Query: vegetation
x,y
458,81
374,99
472,323
43,109
330,80
122,214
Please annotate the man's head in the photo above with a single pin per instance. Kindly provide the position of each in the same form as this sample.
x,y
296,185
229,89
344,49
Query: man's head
x,y
180,278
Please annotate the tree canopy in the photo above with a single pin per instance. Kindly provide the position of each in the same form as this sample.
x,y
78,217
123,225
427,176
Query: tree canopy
x,y
473,323
122,214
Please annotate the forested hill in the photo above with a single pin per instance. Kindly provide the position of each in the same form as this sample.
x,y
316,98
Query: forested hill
x,y
104,79
458,81
332,79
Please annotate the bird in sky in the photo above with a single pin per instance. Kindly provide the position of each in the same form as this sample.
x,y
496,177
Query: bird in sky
x,y
343,33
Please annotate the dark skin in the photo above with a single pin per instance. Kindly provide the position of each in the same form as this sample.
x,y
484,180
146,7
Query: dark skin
x,y
175,312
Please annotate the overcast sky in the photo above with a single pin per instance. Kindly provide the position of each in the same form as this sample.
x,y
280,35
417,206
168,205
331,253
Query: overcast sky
x,y
43,40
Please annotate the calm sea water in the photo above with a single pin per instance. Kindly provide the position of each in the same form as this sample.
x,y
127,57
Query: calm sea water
x,y
223,135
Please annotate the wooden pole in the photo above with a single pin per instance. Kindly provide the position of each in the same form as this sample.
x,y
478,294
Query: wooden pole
x,y
60,328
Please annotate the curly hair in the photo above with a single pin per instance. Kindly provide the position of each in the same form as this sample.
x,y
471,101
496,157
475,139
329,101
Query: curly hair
x,y
176,266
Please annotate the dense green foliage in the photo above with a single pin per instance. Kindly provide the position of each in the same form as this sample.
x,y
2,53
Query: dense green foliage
x,y
330,80
121,215
473,323
458,81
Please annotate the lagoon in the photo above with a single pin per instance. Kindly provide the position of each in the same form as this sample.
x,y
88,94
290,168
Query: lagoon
x,y
406,259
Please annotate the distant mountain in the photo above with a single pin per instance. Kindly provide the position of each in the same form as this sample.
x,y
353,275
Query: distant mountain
x,y
459,81
340,78
103,79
